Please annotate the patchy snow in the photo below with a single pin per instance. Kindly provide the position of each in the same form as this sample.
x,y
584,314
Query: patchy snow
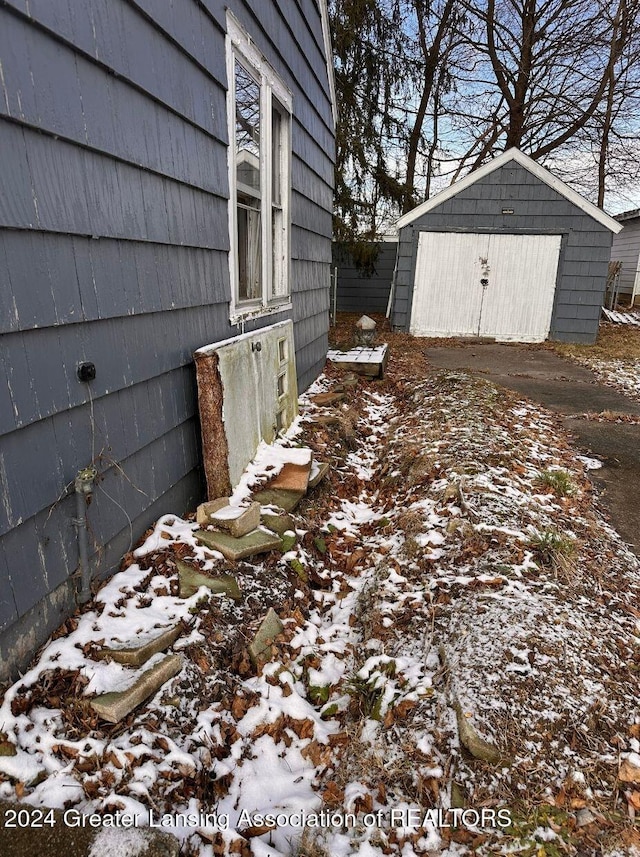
x,y
438,574
590,463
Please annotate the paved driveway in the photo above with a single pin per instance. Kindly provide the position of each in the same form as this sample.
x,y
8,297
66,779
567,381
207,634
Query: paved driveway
x,y
570,390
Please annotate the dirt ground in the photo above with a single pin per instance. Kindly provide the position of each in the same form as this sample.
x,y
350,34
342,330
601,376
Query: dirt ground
x,y
458,668
593,413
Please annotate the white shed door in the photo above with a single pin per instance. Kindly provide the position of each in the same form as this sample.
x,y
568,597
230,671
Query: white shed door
x,y
470,284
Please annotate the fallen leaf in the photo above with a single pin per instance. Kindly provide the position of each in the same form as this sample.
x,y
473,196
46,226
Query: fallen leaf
x,y
333,795
628,773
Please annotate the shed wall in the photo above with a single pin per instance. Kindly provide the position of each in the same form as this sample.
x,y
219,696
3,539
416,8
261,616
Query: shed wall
x,y
584,257
114,249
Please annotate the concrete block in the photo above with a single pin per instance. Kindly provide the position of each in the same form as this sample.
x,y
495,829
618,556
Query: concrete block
x,y
191,580
135,656
292,477
278,523
60,838
279,497
259,541
237,520
205,510
115,706
318,471
260,647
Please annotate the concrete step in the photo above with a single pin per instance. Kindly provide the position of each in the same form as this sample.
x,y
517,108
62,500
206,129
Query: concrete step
x,y
135,656
205,510
270,627
292,477
191,579
319,470
280,497
115,706
279,523
259,541
238,520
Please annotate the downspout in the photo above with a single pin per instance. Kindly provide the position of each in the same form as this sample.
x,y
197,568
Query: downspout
x,y
83,484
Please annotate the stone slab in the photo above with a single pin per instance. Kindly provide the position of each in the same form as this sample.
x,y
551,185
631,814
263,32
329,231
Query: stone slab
x,y
292,477
318,472
278,523
260,647
279,497
62,840
244,521
331,398
259,541
115,706
135,656
205,510
191,580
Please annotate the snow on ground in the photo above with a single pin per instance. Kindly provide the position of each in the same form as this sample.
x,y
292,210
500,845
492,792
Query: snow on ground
x,y
622,374
451,579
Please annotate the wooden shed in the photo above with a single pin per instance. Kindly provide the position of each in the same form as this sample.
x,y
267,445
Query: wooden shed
x,y
509,252
626,249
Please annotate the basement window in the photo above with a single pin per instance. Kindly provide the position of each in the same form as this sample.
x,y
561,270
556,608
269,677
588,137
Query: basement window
x,y
259,109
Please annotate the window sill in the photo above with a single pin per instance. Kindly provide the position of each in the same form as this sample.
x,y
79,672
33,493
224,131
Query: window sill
x,y
239,315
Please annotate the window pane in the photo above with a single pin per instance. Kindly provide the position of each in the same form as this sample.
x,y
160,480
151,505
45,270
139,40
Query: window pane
x,y
278,287
247,129
248,185
276,140
279,245
249,250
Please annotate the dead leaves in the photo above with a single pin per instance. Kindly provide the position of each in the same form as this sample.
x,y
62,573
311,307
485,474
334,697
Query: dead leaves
x,y
333,795
280,728
628,773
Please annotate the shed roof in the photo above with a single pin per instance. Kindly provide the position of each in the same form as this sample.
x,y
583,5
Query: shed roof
x,y
628,215
536,169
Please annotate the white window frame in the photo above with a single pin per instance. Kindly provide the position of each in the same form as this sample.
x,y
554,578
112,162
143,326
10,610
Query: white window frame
x,y
241,48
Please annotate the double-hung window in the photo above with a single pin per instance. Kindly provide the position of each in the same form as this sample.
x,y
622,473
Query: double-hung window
x,y
259,108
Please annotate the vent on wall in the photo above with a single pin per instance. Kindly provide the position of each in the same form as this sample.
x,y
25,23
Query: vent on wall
x,y
247,392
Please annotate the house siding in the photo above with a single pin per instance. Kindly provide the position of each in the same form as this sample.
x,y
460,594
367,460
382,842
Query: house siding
x,y
584,255
626,249
114,249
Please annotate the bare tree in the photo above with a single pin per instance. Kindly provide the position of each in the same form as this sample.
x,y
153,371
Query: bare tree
x,y
545,70
433,88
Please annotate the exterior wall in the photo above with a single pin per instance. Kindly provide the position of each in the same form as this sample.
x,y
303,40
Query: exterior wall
x,y
626,249
114,249
358,292
584,255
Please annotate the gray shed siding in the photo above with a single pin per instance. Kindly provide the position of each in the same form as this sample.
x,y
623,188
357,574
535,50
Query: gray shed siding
x,y
114,248
584,256
626,249
358,292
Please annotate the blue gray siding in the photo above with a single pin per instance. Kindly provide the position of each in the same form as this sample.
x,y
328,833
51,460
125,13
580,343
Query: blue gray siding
x,y
584,257
114,249
358,292
626,249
